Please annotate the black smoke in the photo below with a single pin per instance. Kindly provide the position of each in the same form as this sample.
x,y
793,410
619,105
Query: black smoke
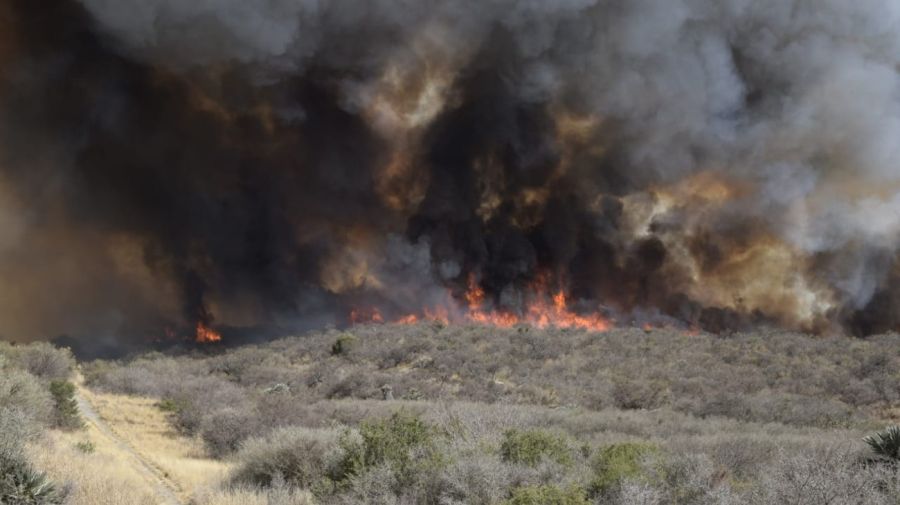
x,y
167,163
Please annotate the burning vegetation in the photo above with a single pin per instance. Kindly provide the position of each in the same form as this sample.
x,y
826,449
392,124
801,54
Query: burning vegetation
x,y
541,309
206,335
714,165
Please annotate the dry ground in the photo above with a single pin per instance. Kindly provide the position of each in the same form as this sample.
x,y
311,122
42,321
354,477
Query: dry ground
x,y
143,426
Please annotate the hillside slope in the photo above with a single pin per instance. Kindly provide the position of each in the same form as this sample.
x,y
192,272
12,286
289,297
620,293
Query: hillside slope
x,y
726,419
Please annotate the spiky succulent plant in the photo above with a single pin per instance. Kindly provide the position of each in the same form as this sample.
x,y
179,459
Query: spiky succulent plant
x,y
22,485
886,443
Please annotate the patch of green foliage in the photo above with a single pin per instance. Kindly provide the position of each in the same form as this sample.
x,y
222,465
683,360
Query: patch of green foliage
x,y
547,495
86,447
403,441
22,485
886,444
344,344
614,463
64,404
170,405
532,446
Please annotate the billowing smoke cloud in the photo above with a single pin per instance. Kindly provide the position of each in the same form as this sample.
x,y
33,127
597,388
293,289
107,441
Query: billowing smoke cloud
x,y
279,162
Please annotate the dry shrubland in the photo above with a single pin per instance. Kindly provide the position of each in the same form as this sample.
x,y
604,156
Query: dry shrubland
x,y
763,377
468,415
521,416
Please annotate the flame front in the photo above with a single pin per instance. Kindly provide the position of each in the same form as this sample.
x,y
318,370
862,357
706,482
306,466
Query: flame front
x,y
206,335
544,309
366,315
547,309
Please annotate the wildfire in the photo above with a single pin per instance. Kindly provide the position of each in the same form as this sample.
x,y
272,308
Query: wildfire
x,y
438,314
366,315
408,319
206,335
545,309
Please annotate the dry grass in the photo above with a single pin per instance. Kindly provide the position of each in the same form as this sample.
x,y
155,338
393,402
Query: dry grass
x,y
252,497
108,475
146,428
105,476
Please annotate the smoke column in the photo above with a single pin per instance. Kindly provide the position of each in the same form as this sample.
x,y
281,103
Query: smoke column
x,y
278,163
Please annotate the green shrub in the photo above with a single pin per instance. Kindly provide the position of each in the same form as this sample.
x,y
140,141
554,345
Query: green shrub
x,y
22,485
403,441
547,495
617,462
169,405
65,407
352,459
886,444
86,447
532,446
344,344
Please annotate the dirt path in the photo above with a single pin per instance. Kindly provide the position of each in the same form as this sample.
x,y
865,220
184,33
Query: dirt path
x,y
165,489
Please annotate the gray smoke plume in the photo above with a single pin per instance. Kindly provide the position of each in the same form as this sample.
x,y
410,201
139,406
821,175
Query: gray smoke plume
x,y
723,163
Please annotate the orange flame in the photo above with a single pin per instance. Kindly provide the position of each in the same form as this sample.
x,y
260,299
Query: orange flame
x,y
542,312
438,314
366,315
475,295
207,335
546,309
408,319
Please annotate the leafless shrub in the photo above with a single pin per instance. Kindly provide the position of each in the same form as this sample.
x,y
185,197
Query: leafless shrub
x,y
833,477
743,457
235,363
358,384
477,479
694,479
203,395
16,428
639,493
283,409
225,429
22,392
47,362
155,376
298,456
639,394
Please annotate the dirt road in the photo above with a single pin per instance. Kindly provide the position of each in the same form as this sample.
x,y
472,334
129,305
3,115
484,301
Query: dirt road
x,y
165,489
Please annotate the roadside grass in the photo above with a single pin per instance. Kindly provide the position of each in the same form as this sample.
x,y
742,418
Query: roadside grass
x,y
146,428
104,476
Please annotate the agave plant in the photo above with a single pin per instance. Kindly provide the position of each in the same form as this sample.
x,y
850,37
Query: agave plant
x,y
21,485
886,443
